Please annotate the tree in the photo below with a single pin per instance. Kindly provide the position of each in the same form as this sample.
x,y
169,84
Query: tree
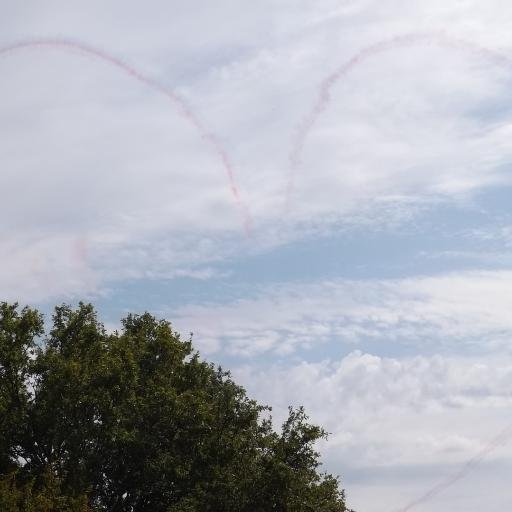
x,y
135,421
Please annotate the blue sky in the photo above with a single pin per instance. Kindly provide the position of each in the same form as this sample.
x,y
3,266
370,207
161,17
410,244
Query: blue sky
x,y
378,295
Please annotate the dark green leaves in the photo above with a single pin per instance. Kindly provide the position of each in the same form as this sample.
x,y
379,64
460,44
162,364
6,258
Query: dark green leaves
x,y
136,421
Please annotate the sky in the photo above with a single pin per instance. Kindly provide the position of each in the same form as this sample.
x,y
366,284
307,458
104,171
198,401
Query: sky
x,y
318,190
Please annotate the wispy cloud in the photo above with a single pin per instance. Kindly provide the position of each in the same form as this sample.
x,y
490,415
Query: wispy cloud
x,y
458,308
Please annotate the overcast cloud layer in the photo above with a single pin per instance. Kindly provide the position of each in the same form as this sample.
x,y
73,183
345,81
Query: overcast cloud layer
x,y
318,190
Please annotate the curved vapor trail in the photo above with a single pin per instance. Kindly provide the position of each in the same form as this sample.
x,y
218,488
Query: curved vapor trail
x,y
156,86
469,466
324,92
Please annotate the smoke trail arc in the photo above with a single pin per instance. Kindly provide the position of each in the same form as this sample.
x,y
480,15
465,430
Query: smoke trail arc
x,y
308,122
469,466
156,86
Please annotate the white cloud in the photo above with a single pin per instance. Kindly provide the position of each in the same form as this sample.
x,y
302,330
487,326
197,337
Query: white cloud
x,y
500,234
41,267
409,423
471,308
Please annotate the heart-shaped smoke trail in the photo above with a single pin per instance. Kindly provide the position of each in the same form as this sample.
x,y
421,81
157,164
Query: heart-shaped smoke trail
x,y
156,86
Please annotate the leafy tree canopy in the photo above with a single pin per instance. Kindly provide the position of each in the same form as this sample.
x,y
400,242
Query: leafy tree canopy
x,y
135,421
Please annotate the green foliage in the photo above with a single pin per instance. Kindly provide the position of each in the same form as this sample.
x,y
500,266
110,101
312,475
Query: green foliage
x,y
135,421
16,496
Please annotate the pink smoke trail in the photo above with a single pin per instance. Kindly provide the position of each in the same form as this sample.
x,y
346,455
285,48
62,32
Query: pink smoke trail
x,y
469,466
137,75
80,251
324,95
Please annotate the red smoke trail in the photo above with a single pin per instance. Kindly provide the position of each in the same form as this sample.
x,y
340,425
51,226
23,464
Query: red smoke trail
x,y
134,73
469,466
324,94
